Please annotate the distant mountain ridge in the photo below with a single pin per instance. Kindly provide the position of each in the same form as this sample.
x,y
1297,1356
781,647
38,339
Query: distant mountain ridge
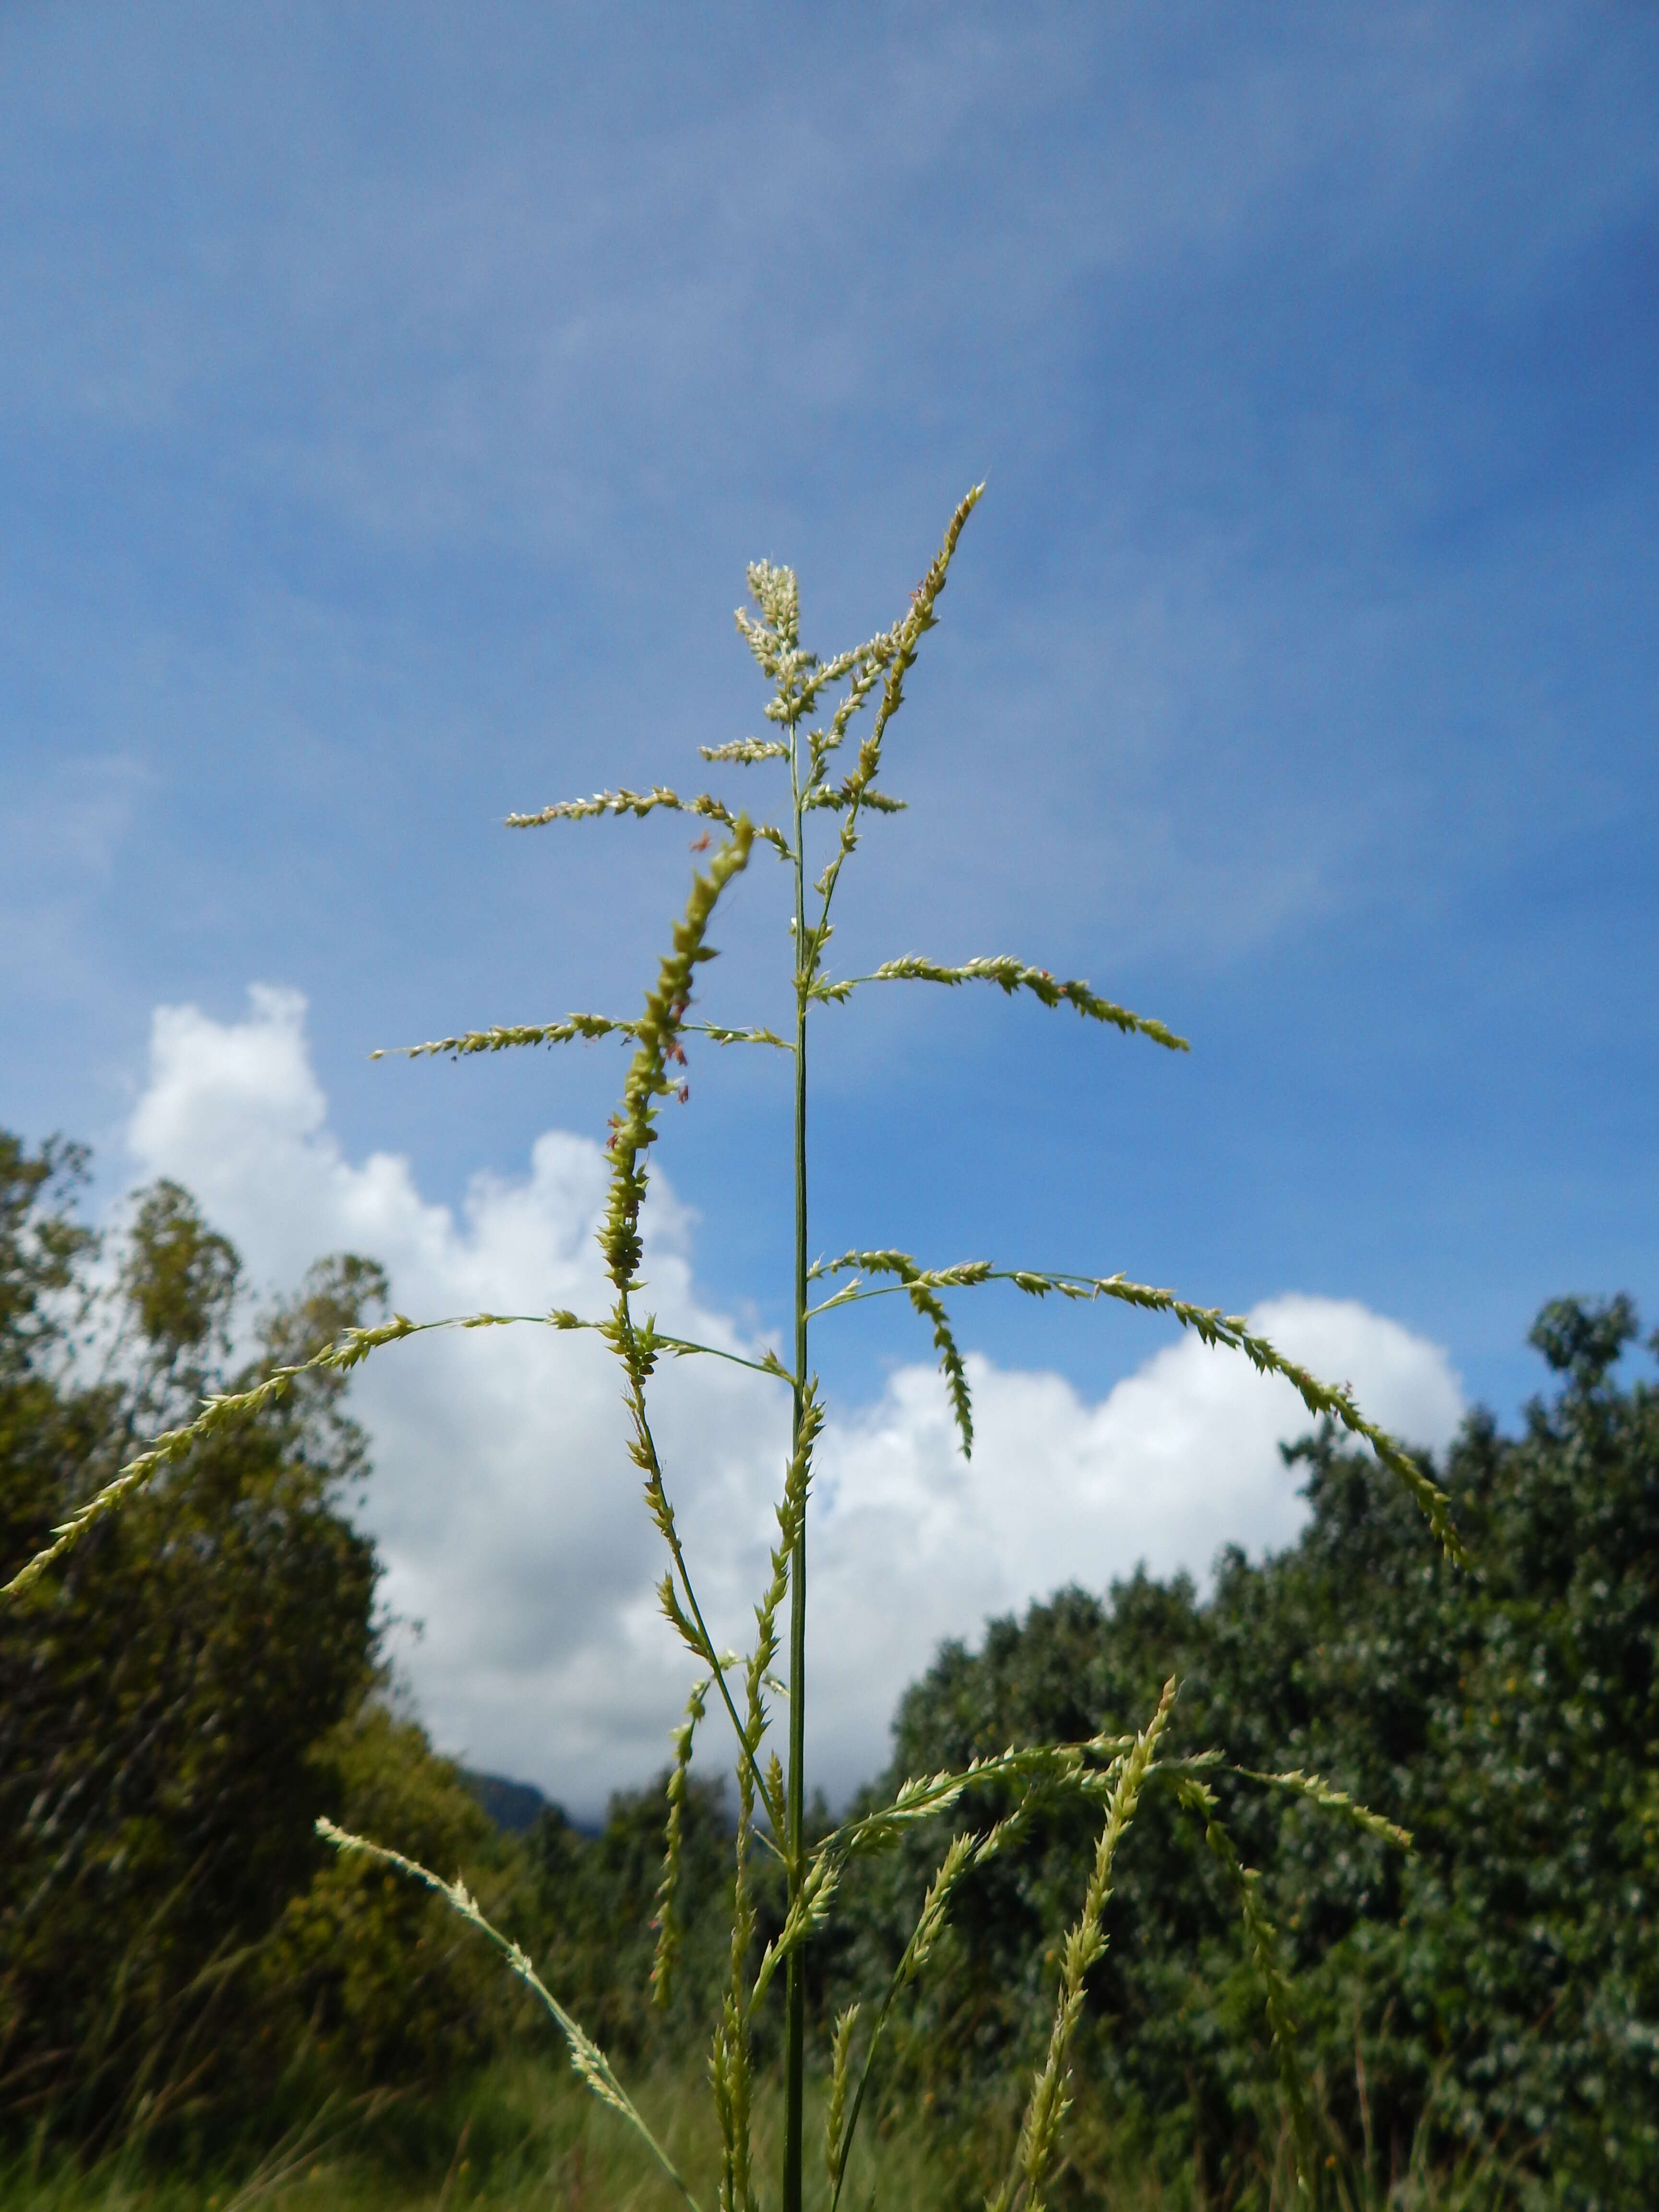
x,y
513,1806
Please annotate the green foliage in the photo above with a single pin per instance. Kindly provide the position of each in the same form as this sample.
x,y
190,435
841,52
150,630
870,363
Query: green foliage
x,y
1491,1997
162,1701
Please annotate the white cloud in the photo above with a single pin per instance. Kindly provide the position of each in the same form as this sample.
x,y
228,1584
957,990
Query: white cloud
x,y
508,1516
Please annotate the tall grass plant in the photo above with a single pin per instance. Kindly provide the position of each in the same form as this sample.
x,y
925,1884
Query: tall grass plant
x,y
831,723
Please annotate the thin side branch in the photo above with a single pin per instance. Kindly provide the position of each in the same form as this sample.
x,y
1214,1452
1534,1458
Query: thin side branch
x,y
1212,1325
641,803
503,1036
1010,975
586,2058
227,1407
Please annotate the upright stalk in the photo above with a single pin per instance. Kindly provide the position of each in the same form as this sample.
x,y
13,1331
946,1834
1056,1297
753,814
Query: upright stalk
x,y
795,1843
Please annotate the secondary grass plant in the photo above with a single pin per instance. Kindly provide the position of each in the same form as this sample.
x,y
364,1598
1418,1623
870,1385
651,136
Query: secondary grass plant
x,y
830,796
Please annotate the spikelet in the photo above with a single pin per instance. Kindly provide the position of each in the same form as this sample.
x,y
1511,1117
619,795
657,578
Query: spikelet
x,y
754,1035
747,750
831,799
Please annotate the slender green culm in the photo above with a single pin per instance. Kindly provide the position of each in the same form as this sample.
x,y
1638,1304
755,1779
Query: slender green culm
x,y
829,724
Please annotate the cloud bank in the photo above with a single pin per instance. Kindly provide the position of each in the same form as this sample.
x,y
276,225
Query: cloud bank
x,y
507,1514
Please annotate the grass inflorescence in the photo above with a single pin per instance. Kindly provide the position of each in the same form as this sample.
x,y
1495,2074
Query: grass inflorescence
x,y
814,707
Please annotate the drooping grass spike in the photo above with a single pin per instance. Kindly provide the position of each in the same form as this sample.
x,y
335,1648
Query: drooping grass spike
x,y
586,2059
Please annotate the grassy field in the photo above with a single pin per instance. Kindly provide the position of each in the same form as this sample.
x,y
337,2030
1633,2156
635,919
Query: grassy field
x,y
526,2134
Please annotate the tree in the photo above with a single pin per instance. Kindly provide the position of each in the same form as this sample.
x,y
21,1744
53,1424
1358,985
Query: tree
x,y
1495,1995
164,1701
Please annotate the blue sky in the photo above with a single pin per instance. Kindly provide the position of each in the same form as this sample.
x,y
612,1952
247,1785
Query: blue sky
x,y
391,399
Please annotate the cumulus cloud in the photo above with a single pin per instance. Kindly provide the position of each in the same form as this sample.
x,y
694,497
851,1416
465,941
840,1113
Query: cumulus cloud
x,y
508,1517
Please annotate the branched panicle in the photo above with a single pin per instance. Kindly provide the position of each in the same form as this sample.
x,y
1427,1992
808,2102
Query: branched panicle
x,y
1050,2094
671,1932
1107,1772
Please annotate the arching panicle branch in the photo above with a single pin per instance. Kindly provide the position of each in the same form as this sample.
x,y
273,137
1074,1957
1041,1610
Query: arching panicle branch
x,y
641,803
965,1853
504,1037
1210,1323
226,1407
586,2058
1011,975
1278,1996
1320,1792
